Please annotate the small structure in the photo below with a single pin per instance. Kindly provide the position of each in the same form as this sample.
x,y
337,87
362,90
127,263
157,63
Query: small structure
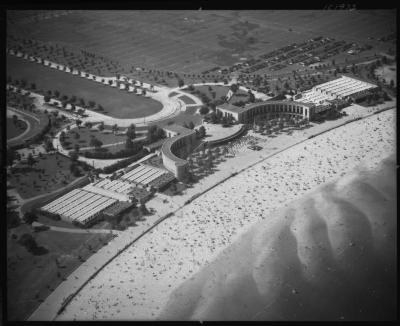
x,y
155,147
117,209
140,194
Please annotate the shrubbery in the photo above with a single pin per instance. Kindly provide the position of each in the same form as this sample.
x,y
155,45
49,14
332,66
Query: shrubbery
x,y
29,242
120,154
53,216
121,164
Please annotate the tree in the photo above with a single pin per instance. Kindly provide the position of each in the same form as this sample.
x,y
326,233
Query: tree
x,y
12,155
252,98
94,142
131,131
30,217
154,133
143,209
30,160
202,132
128,143
115,128
191,125
74,154
180,83
88,124
14,119
204,110
101,126
28,242
234,88
48,145
78,122
46,98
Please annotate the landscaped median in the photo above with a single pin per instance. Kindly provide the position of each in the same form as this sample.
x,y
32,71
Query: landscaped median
x,y
39,125
116,103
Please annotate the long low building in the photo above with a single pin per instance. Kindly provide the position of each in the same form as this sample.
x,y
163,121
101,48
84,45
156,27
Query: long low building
x,y
79,205
247,113
342,88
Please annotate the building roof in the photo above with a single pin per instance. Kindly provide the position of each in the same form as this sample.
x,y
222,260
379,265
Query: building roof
x,y
156,144
231,108
253,105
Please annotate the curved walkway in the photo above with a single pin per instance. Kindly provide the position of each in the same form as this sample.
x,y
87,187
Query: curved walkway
x,y
20,116
171,106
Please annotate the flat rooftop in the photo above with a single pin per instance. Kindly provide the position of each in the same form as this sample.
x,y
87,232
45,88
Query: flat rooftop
x,y
231,108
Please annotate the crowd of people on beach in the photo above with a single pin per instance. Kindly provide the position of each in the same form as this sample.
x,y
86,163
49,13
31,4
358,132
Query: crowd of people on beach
x,y
140,281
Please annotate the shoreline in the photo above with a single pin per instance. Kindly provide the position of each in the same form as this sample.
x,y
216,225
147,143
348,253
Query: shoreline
x,y
171,237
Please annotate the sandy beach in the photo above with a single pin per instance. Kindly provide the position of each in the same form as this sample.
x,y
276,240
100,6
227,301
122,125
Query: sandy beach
x,y
330,255
140,282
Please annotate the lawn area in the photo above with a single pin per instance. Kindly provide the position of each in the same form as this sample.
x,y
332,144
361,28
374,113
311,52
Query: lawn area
x,y
14,130
182,118
85,134
187,99
37,123
221,91
31,278
30,181
207,90
116,103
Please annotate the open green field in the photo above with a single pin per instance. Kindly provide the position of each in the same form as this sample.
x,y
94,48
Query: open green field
x,y
117,103
14,130
29,275
220,91
37,123
194,41
86,134
187,99
30,181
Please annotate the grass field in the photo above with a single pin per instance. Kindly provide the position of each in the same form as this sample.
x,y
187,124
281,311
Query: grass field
x,y
37,124
221,91
13,130
186,99
193,41
183,117
117,103
85,136
30,182
29,275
